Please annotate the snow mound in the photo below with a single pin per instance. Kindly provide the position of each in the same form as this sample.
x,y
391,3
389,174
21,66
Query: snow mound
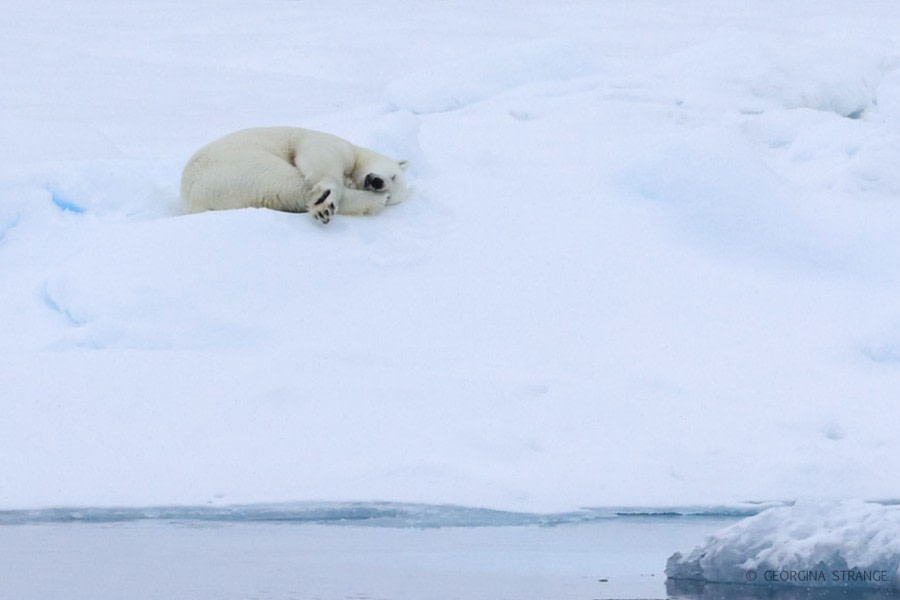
x,y
809,544
828,74
728,198
458,83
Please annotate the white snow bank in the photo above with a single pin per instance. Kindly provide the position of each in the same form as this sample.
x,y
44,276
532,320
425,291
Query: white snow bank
x,y
631,274
814,544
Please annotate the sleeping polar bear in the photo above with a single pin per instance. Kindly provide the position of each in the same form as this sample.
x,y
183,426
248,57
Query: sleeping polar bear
x,y
291,169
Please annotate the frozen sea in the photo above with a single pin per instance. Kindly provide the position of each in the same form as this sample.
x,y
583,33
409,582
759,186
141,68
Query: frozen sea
x,y
651,257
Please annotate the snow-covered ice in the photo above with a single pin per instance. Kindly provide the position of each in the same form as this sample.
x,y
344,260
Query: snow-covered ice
x,y
652,257
847,544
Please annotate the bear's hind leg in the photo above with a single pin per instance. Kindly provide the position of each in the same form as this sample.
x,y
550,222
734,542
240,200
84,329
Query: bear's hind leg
x,y
278,186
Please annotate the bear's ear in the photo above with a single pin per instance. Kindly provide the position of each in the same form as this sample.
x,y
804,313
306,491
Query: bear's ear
x,y
403,164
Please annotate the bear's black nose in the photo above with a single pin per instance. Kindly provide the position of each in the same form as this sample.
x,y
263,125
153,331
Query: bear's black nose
x,y
373,182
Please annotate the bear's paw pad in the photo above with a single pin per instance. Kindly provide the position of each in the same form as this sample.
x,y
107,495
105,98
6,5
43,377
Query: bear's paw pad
x,y
323,208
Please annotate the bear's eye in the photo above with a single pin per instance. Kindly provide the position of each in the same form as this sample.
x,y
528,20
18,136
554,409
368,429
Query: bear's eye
x,y
393,178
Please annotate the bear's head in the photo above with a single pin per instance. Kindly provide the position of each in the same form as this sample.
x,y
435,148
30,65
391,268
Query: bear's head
x,y
375,172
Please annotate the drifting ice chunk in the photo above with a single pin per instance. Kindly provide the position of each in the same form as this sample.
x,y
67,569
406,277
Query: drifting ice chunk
x,y
810,544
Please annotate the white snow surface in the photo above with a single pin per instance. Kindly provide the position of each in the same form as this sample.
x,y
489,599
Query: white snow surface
x,y
652,257
824,544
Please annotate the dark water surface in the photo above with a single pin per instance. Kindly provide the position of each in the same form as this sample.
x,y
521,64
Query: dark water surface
x,y
159,559
196,560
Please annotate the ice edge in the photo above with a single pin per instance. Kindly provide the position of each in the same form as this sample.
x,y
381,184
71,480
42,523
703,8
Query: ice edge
x,y
384,514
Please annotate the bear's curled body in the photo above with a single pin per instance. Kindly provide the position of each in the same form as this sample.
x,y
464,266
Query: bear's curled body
x,y
291,169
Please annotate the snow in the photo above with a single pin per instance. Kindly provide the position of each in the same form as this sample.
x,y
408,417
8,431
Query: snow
x,y
651,258
479,77
811,544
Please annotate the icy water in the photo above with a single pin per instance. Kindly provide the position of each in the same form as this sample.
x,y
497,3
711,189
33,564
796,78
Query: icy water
x,y
281,560
196,560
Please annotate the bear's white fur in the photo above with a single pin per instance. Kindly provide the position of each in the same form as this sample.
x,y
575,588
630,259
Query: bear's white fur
x,y
291,169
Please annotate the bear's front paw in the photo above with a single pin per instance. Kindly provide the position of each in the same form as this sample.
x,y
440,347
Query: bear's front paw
x,y
374,203
323,208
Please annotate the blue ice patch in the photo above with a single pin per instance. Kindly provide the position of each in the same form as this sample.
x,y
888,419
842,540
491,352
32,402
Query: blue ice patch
x,y
65,205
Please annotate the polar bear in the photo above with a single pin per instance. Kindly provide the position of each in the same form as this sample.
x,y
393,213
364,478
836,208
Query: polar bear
x,y
291,169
